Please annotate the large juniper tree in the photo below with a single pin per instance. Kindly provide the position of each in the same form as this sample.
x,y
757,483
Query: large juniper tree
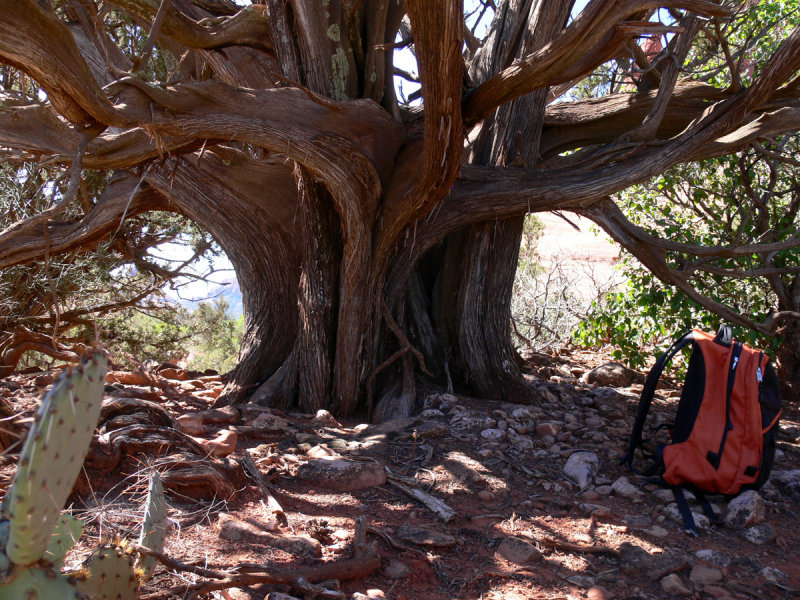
x,y
375,242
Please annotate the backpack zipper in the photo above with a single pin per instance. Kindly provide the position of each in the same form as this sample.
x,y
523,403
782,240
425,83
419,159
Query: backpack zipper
x,y
714,458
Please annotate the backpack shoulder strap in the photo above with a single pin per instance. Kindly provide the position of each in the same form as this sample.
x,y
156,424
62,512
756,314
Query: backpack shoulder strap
x,y
649,390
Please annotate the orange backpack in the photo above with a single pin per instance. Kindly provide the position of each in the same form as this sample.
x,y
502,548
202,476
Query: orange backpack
x,y
723,438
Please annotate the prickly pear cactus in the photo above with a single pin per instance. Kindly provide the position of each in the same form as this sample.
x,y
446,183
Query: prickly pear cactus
x,y
154,526
66,533
108,574
51,459
38,583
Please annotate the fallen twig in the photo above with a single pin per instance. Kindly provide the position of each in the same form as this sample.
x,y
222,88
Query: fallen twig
x,y
252,471
570,547
392,542
442,510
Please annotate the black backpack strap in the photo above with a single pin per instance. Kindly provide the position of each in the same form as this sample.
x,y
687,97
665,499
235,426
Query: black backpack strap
x,y
648,391
683,508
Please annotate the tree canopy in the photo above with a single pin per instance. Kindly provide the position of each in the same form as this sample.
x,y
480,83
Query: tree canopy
x,y
375,241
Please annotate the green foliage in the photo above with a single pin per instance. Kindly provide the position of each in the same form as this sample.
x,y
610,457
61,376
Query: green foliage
x,y
134,336
216,337
726,202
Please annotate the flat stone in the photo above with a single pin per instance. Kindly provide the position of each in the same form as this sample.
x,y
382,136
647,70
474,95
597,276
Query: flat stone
x,y
517,550
342,474
703,575
129,377
673,584
269,422
746,510
636,561
637,521
425,536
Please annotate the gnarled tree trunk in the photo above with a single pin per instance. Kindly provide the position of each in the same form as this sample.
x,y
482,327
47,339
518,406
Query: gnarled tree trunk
x,y
375,243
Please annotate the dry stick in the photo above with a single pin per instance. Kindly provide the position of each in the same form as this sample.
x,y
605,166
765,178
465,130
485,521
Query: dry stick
x,y
392,542
255,473
560,545
442,510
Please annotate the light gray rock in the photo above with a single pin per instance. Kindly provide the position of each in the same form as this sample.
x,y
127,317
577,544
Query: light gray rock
x,y
746,510
783,478
581,467
521,443
673,585
772,574
657,532
623,487
342,474
760,535
714,557
673,514
493,435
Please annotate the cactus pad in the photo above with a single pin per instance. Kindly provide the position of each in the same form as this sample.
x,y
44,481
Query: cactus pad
x,y
67,531
108,574
35,583
51,458
154,526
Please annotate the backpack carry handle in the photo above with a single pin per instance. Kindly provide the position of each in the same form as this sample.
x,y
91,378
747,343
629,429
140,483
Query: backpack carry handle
x,y
724,335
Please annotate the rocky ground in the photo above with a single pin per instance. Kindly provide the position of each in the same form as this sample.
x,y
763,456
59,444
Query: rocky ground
x,y
468,499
